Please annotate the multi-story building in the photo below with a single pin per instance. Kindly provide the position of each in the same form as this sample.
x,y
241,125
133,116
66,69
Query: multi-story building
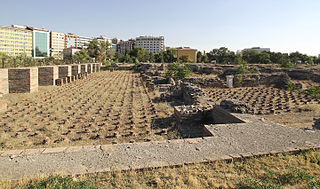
x,y
71,40
191,54
257,49
15,40
57,44
104,38
114,47
150,43
125,45
41,42
82,42
69,52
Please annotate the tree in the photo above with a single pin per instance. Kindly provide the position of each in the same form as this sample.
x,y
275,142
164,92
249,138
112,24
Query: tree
x,y
243,66
264,58
93,48
178,71
158,57
170,55
222,55
251,56
199,56
184,58
138,53
99,50
81,56
285,63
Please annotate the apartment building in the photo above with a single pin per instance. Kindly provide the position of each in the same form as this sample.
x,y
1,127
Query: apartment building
x,y
15,40
150,43
57,44
122,46
71,40
82,42
103,38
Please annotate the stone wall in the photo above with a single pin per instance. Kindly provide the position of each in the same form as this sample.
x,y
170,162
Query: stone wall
x,y
23,80
193,95
4,85
207,82
64,71
278,79
221,116
47,75
304,74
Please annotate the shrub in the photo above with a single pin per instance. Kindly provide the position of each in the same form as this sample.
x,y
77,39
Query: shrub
x,y
285,63
178,72
313,91
291,86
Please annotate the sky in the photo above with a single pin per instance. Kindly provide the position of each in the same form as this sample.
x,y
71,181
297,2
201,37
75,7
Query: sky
x,y
282,25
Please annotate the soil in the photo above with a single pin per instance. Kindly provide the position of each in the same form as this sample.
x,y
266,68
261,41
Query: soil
x,y
106,108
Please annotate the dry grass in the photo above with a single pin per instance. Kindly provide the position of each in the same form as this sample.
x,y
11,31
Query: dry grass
x,y
279,170
301,119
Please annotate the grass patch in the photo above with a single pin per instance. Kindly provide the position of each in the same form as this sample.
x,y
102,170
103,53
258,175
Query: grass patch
x,y
281,171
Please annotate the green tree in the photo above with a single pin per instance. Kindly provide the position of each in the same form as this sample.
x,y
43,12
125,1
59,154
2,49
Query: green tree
x,y
93,49
178,71
222,55
285,63
184,59
138,53
242,65
158,57
170,55
81,56
199,56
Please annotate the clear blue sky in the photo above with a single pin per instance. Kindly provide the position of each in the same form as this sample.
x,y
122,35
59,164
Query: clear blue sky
x,y
282,25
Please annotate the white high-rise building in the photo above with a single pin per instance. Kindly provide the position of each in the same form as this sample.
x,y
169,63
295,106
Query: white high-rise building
x,y
150,43
83,42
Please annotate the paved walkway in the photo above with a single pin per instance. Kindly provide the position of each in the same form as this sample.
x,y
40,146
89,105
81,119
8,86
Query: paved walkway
x,y
253,138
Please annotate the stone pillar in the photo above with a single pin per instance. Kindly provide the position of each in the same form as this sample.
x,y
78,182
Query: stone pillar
x,y
230,81
76,69
47,75
3,104
84,68
4,82
89,68
94,66
23,80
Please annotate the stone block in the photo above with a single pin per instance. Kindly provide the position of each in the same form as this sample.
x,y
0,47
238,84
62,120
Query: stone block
x,y
64,71
75,69
47,75
84,68
89,68
23,80
4,84
3,105
94,67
